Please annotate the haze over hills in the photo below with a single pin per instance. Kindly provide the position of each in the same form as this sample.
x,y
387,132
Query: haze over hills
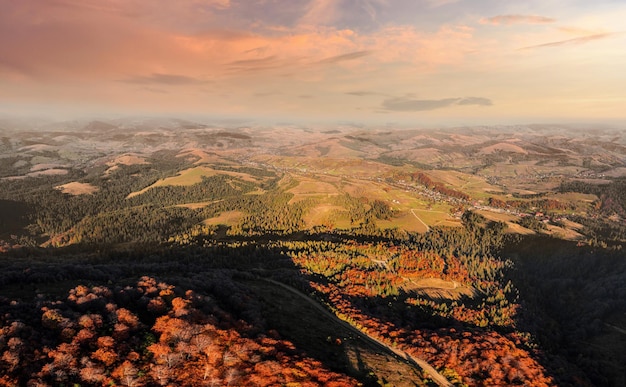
x,y
457,256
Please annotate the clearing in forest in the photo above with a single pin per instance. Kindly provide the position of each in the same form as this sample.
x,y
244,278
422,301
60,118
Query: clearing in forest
x,y
187,177
404,220
193,176
127,159
76,188
311,188
437,288
436,217
328,215
228,218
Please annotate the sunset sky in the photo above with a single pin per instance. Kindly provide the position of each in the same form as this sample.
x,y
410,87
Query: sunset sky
x,y
370,61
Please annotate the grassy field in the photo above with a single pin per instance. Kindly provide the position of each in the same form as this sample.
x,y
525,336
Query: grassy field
x,y
567,232
311,188
187,177
341,167
405,220
575,197
402,201
514,228
327,214
462,181
202,156
497,216
228,218
564,233
475,186
437,288
193,176
435,217
76,188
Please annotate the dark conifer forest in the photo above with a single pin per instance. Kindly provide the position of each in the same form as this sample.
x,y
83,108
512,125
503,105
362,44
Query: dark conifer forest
x,y
228,258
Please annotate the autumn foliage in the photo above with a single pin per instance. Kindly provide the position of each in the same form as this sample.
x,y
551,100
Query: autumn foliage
x,y
151,333
470,341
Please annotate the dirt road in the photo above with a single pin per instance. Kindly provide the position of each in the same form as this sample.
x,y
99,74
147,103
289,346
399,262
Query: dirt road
x,y
430,370
420,220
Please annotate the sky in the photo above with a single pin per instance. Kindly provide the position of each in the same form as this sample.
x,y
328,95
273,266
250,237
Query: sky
x,y
368,61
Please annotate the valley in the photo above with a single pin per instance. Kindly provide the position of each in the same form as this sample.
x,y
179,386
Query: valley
x,y
494,255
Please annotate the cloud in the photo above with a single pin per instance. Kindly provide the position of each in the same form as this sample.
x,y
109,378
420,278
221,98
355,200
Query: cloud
x,y
363,93
254,62
258,64
414,105
404,104
93,6
156,91
164,79
475,101
517,19
580,40
370,8
69,40
577,31
257,50
440,3
344,57
58,40
320,12
220,4
117,5
426,50
118,58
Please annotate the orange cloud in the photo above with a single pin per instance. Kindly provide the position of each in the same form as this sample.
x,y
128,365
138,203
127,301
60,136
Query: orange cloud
x,y
128,54
517,19
130,39
578,31
164,79
345,57
447,46
404,104
580,40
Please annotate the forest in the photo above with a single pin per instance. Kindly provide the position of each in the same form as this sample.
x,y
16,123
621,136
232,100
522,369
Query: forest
x,y
130,285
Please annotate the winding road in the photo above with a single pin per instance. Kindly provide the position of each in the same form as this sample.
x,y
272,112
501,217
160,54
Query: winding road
x,y
430,370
